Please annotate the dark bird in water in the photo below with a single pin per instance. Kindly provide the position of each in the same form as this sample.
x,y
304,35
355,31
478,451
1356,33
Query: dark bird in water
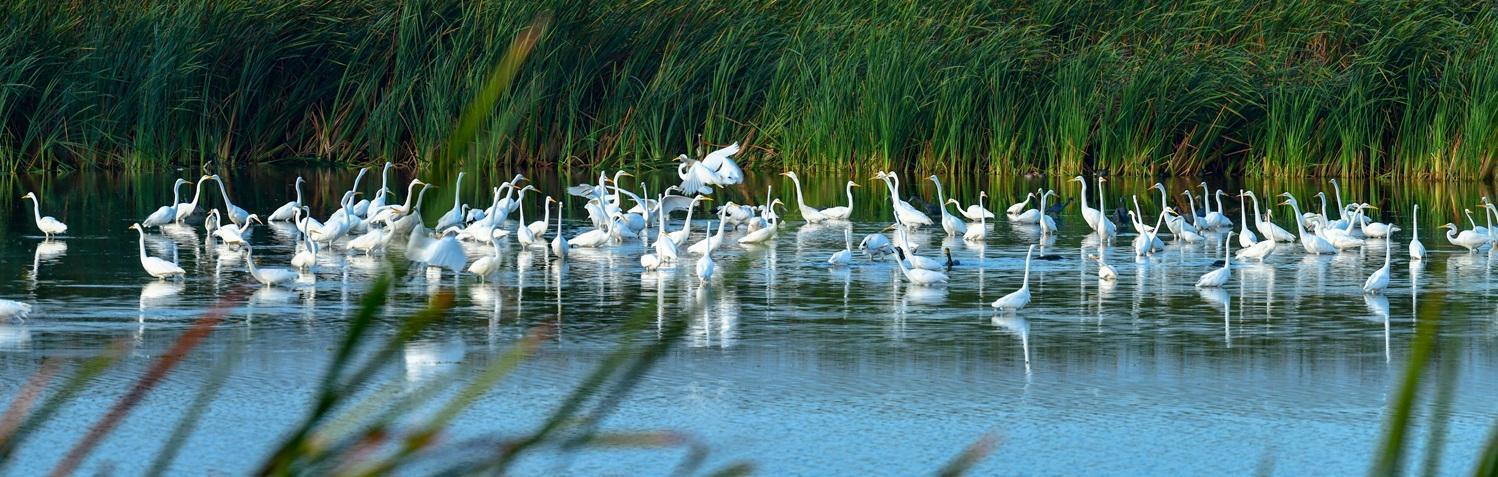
x,y
950,262
1055,209
1121,215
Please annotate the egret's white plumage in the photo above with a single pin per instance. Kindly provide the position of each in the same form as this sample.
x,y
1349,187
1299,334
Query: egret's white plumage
x,y
166,214
1021,297
48,225
154,266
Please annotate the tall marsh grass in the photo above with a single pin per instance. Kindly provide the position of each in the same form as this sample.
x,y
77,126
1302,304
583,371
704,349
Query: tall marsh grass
x,y
1175,87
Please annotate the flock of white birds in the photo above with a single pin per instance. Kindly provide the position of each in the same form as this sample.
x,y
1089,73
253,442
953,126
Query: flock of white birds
x,y
619,215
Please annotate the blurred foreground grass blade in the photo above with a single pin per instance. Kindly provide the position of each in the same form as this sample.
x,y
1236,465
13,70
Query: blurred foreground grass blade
x,y
90,369
158,371
1390,456
969,457
498,81
189,420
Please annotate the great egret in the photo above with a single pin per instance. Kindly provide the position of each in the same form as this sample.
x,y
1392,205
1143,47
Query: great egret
x,y
14,310
1246,237
233,235
976,234
306,255
949,223
166,213
338,225
875,245
559,243
538,228
234,213
1267,228
154,266
186,209
1417,249
1197,222
1216,219
680,237
412,216
454,216
390,213
446,252
1021,297
368,242
918,276
908,214
486,265
1016,208
844,257
665,248
1027,216
768,232
1106,228
48,225
651,262
1187,233
378,201
717,168
1467,239
842,212
978,210
1313,244
1105,272
1047,223
1219,277
268,276
808,213
288,210
523,232
1380,279
1258,251
705,265
1092,216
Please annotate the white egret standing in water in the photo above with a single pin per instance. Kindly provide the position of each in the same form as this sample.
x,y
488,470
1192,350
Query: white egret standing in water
x,y
186,209
1219,277
559,243
455,215
288,210
1380,279
1417,249
14,310
808,213
267,276
705,265
918,276
154,266
236,214
48,225
1021,297
841,212
844,257
166,213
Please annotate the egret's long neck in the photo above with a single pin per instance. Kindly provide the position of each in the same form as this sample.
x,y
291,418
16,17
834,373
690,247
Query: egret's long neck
x,y
941,198
1191,202
142,244
1026,283
850,197
176,193
1100,205
1415,222
223,192
298,188
1324,213
1299,227
1257,218
1206,200
687,226
197,192
799,199
1084,195
1337,189
457,191
546,218
1227,253
36,210
384,180
410,191
419,199
1243,211
1218,198
1163,198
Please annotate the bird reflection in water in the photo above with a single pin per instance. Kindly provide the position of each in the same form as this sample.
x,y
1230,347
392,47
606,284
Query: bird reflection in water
x,y
1378,304
1219,299
1019,327
431,358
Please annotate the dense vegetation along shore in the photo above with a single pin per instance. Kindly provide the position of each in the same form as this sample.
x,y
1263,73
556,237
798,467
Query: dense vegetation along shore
x,y
1253,87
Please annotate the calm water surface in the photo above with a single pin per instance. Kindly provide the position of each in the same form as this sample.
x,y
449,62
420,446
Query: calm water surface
x,y
792,365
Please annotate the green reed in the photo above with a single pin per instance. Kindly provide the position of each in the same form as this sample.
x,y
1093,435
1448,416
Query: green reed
x,y
1179,87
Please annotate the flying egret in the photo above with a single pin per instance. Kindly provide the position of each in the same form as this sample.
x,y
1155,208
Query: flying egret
x,y
1021,297
48,225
